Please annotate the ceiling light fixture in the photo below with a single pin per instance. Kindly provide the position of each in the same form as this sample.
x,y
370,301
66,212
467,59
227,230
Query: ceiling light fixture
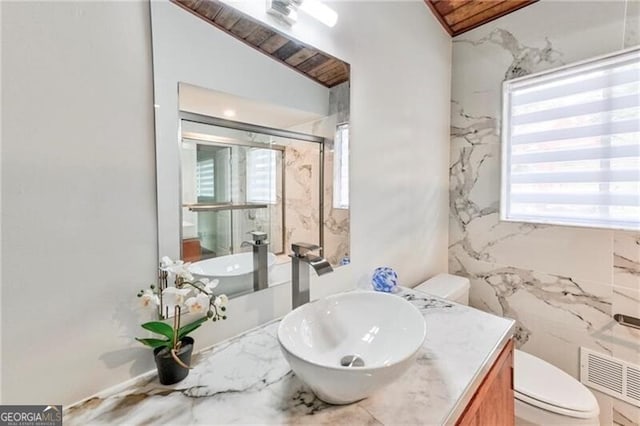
x,y
229,113
320,11
287,11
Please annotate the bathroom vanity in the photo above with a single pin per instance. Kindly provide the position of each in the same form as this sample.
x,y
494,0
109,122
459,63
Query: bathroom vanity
x,y
493,403
462,375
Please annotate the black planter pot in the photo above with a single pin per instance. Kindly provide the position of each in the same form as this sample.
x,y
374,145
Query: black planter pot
x,y
169,371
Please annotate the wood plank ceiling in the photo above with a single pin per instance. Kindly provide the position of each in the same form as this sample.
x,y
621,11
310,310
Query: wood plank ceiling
x,y
317,65
459,16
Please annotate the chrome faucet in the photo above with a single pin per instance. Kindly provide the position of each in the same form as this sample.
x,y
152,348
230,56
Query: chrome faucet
x,y
301,259
260,259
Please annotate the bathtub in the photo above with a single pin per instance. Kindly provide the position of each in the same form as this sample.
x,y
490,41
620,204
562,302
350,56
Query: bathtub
x,y
235,272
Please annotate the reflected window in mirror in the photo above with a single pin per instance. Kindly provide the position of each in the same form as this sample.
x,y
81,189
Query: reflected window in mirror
x,y
205,173
341,168
261,176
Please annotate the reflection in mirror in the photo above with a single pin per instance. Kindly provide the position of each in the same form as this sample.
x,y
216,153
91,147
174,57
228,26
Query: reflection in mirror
x,y
230,187
238,182
263,158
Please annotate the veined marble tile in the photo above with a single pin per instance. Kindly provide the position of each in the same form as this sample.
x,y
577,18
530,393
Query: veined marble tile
x,y
474,183
555,315
626,301
625,414
487,230
549,33
336,221
551,344
605,402
558,330
474,129
535,299
478,80
578,253
626,259
302,193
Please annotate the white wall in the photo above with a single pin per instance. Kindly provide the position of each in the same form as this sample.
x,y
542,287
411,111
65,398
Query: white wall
x,y
72,337
0,214
400,80
78,191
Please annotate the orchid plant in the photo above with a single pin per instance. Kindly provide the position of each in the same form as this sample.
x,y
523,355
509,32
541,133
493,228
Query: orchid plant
x,y
188,294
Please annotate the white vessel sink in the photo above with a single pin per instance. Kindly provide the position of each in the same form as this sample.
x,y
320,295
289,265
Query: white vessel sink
x,y
347,346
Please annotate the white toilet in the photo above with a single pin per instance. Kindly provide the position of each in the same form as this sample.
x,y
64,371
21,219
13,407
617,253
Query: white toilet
x,y
544,394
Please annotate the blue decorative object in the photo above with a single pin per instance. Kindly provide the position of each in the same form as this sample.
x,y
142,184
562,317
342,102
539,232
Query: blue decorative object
x,y
384,279
345,260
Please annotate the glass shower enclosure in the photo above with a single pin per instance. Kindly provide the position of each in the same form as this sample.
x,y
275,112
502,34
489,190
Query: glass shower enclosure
x,y
236,181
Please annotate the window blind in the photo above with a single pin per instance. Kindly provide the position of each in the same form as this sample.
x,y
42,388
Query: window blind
x,y
261,176
205,178
571,145
341,168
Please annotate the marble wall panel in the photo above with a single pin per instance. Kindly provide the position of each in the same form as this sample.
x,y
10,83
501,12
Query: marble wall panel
x,y
302,165
626,259
562,284
336,224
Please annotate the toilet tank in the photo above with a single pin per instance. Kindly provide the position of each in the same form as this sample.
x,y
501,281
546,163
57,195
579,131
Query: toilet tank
x,y
450,287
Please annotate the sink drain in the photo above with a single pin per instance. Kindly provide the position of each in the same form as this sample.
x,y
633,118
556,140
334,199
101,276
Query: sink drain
x,y
351,361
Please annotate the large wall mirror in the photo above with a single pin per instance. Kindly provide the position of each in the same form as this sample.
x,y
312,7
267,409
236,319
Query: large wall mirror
x,y
252,145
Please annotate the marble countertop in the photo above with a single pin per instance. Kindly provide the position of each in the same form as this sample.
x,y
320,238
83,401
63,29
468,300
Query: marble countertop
x,y
246,380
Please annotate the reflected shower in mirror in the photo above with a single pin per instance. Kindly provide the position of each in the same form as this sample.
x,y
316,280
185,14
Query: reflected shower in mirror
x,y
239,179
263,146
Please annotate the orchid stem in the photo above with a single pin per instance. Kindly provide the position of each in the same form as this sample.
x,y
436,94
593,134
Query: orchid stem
x,y
176,327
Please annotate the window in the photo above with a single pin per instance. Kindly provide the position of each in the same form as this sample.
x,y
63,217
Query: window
x,y
571,145
341,168
261,176
204,178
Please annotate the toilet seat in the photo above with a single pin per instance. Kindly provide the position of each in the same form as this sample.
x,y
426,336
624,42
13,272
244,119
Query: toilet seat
x,y
555,409
542,385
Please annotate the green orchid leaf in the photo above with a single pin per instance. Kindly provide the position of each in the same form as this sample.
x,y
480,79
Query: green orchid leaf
x,y
154,343
159,328
184,331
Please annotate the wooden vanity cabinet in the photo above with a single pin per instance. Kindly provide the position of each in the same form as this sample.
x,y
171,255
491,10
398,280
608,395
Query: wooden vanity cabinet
x,y
493,402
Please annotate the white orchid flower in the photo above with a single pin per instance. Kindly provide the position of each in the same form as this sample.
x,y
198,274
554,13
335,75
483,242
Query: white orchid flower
x,y
221,300
149,299
198,304
166,262
182,270
173,296
177,267
174,268
185,275
212,284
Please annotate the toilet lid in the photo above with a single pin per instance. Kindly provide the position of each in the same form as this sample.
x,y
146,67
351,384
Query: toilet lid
x,y
541,384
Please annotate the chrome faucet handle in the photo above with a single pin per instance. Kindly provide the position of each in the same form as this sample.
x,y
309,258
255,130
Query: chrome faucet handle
x,y
301,249
259,237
